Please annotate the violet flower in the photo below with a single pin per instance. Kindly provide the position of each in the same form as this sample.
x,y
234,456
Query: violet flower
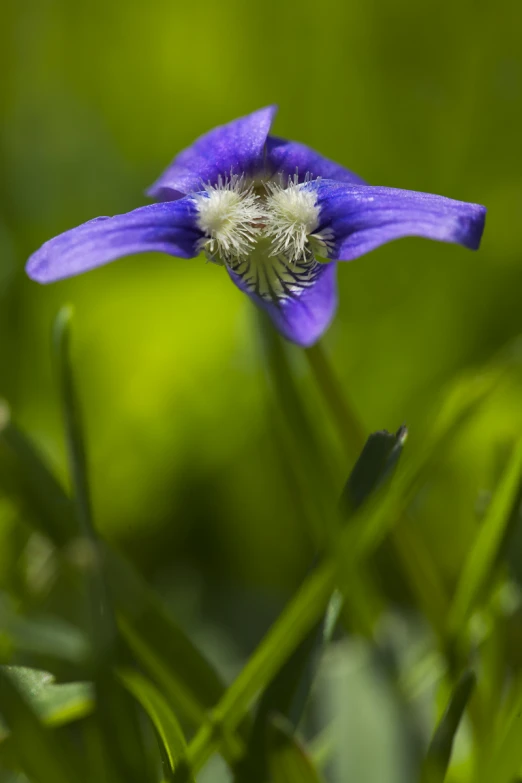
x,y
266,209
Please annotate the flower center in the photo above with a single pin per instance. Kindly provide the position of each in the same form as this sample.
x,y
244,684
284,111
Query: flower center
x,y
264,232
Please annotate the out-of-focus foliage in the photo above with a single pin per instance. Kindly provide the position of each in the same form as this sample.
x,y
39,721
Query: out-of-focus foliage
x,y
192,474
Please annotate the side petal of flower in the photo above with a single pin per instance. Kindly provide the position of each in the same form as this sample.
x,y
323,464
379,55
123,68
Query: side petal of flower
x,y
288,157
357,219
235,148
305,310
167,228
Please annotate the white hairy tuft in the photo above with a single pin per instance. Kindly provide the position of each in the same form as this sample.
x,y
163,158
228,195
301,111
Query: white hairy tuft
x,y
231,217
292,215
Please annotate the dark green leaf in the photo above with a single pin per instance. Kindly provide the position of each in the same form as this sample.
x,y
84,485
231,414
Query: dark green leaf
x,y
441,746
287,760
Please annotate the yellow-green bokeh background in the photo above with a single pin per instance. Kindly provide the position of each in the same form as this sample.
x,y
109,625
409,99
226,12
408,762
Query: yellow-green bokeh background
x,y
95,100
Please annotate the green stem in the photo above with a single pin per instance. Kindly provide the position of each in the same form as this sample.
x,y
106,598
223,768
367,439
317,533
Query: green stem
x,y
346,420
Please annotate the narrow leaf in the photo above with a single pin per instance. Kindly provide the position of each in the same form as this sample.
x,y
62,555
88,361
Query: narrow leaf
x,y
441,746
165,652
33,484
288,631
116,714
377,460
159,711
490,540
504,762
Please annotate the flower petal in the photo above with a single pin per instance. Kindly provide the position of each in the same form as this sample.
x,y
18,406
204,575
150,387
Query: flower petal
x,y
167,228
289,157
360,218
301,301
235,148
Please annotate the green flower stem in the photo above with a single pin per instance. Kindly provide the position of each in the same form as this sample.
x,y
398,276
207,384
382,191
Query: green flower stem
x,y
346,420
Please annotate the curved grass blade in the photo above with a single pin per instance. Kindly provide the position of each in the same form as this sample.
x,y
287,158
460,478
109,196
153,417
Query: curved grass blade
x,y
165,652
167,726
491,539
441,746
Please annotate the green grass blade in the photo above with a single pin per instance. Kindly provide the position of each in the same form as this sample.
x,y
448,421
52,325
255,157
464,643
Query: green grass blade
x,y
32,483
288,692
287,760
165,652
116,714
490,540
159,711
504,762
441,746
102,621
285,635
160,644
38,752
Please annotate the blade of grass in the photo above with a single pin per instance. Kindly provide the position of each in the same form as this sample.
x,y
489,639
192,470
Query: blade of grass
x,y
191,684
490,539
116,713
35,487
102,621
167,726
441,746
505,760
287,693
161,645
287,632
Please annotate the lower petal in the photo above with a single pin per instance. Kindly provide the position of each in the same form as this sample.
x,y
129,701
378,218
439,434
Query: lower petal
x,y
301,301
166,228
358,219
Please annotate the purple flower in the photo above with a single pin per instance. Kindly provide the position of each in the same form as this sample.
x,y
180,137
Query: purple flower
x,y
266,209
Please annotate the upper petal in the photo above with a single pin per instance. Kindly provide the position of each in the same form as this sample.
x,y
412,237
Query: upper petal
x,y
360,218
289,157
302,307
167,228
235,148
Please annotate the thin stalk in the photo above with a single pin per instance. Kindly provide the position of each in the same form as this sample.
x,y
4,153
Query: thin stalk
x,y
350,428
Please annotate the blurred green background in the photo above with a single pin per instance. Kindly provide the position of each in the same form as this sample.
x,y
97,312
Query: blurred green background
x,y
95,100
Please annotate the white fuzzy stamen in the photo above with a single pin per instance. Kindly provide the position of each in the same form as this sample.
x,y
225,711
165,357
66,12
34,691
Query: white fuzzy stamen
x,y
292,215
267,236
231,216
